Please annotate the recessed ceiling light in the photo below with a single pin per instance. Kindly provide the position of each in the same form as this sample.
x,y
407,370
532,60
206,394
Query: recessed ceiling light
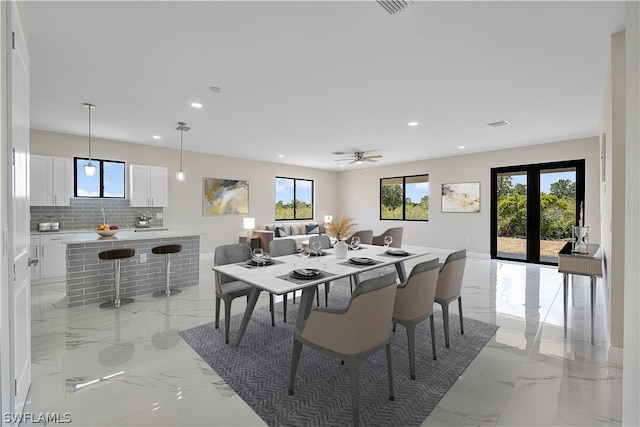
x,y
280,155
157,137
412,124
196,105
215,89
461,147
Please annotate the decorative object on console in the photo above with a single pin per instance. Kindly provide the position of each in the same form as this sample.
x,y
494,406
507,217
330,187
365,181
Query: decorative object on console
x,y
581,235
461,197
249,224
225,196
89,168
182,127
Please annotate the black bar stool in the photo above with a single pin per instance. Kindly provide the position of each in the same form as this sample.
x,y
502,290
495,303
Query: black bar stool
x,y
167,250
117,254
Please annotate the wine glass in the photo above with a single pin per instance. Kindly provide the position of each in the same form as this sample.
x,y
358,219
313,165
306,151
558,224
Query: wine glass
x,y
305,254
317,247
258,256
387,241
355,243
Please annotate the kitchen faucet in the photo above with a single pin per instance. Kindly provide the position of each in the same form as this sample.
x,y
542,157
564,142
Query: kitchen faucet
x,y
104,217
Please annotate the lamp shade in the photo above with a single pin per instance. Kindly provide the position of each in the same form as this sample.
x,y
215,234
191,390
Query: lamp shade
x,y
249,223
328,218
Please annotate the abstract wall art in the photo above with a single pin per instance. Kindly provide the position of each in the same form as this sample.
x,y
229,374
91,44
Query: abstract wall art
x,y
225,196
461,197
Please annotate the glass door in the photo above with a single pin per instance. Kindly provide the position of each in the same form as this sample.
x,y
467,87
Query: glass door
x,y
534,208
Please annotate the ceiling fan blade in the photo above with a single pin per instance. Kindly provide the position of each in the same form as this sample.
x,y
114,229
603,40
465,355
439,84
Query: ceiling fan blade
x,y
367,159
341,160
377,156
353,161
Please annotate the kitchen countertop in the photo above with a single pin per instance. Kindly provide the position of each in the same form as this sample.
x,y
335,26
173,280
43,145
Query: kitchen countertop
x,y
124,235
91,230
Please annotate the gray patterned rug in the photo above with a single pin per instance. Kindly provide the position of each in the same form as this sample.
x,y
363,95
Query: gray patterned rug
x,y
258,370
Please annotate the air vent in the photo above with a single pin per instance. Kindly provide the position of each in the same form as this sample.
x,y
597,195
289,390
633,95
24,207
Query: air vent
x,y
498,124
394,6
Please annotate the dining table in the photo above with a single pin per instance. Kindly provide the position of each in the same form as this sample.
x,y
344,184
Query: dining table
x,y
293,273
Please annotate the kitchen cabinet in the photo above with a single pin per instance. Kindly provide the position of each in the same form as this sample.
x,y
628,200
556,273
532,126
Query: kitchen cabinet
x,y
148,186
52,258
50,181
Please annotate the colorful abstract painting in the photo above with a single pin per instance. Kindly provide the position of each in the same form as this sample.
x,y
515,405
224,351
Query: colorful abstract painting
x,y
461,197
225,196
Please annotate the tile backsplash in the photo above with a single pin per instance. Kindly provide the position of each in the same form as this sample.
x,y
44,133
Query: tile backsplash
x,y
85,214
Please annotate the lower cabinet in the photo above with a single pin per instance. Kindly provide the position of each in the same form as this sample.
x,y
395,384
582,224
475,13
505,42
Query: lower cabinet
x,y
52,258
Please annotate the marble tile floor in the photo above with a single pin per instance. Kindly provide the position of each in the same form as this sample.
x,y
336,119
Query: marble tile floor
x,y
128,367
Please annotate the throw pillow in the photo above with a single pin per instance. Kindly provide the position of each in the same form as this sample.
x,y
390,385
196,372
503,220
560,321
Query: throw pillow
x,y
271,228
280,232
294,230
312,229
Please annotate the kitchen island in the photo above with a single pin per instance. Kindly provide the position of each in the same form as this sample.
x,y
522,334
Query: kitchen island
x,y
91,280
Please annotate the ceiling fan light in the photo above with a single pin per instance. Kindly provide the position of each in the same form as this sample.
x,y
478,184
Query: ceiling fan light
x,y
89,169
359,162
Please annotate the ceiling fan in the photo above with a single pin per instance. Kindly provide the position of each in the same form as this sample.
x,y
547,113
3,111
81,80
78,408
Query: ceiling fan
x,y
358,157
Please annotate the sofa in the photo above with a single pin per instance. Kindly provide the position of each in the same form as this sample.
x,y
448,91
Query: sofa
x,y
298,231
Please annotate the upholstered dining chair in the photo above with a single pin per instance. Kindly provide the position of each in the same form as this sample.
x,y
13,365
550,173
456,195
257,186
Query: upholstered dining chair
x,y
395,232
351,333
282,247
450,286
228,288
366,237
414,303
325,241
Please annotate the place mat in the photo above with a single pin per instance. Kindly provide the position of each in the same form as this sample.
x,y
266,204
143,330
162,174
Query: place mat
x,y
324,274
248,265
350,264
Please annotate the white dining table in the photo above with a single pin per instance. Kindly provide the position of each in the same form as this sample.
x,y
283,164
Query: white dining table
x,y
275,278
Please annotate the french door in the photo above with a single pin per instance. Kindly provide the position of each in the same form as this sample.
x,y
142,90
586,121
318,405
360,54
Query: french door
x,y
534,208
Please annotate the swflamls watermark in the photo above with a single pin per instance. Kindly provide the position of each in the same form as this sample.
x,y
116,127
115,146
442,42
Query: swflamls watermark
x,y
32,417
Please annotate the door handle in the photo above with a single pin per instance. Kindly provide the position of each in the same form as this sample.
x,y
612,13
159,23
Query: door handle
x,y
32,262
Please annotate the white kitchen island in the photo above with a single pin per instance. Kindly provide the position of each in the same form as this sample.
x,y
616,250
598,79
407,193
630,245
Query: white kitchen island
x,y
91,280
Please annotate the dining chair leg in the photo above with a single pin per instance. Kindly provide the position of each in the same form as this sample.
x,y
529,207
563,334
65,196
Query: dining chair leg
x,y
445,319
326,294
217,311
411,336
351,283
460,311
390,372
295,358
433,337
294,297
273,317
394,326
317,297
354,373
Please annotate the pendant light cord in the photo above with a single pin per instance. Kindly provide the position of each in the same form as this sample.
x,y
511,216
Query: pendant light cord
x,y
181,133
89,107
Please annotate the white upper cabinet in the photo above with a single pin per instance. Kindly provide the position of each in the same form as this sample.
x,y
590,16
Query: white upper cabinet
x,y
148,186
50,181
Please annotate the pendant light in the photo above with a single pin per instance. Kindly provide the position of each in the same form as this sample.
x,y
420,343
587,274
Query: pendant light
x,y
182,127
89,168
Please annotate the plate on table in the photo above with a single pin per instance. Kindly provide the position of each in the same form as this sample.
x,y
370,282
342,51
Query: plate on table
x,y
321,252
263,261
361,261
396,252
305,273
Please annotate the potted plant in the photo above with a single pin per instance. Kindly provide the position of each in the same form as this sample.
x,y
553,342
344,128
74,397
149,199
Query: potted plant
x,y
340,229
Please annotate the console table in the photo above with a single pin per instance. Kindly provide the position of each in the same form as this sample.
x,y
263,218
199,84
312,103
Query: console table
x,y
589,264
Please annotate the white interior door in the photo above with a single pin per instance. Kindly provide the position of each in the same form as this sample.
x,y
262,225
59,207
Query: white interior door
x,y
19,211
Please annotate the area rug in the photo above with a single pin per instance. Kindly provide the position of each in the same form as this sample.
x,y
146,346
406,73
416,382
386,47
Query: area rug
x,y
258,370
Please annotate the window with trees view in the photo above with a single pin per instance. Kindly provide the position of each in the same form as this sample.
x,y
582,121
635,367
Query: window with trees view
x,y
294,198
405,198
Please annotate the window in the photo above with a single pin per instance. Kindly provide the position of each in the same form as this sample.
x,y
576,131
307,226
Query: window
x,y
108,181
294,198
405,198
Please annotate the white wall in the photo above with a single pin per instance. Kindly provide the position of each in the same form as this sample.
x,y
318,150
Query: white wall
x,y
185,199
358,192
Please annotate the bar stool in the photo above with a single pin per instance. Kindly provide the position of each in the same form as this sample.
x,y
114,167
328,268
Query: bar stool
x,y
117,254
167,250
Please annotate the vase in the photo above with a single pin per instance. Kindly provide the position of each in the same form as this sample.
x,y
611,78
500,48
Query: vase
x,y
340,249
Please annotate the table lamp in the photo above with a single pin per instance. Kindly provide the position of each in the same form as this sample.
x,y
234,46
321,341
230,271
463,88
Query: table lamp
x,y
249,224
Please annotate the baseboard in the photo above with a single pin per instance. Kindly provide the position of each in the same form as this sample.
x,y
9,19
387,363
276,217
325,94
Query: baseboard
x,y
615,356
478,255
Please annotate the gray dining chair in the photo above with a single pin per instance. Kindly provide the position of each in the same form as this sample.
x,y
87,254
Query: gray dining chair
x,y
351,333
450,287
282,247
366,237
228,288
325,241
395,232
414,303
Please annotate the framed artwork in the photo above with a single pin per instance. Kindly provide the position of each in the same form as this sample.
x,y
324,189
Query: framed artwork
x,y
461,197
225,196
